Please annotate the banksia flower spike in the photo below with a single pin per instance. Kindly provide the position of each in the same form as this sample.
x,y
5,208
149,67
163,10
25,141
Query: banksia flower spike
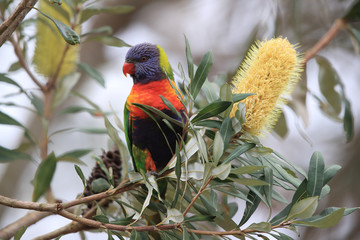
x,y
270,71
49,43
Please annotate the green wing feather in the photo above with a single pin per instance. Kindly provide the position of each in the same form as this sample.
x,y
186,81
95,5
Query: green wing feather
x,y
128,129
138,155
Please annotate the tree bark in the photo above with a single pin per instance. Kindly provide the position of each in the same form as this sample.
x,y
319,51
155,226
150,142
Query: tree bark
x,y
10,24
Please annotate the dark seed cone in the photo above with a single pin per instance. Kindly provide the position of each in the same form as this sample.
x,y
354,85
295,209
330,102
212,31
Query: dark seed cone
x,y
111,159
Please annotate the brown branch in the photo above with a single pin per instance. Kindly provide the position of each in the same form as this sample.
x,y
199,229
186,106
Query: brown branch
x,y
197,195
23,63
10,24
82,223
54,208
338,24
29,219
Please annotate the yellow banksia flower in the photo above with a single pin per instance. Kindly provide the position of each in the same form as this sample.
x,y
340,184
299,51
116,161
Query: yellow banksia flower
x,y
49,43
270,71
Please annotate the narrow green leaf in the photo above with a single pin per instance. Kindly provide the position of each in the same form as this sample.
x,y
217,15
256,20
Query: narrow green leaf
x,y
20,233
159,113
328,80
146,202
101,218
202,147
43,176
246,169
185,234
262,226
189,59
103,167
226,131
250,207
225,92
113,132
354,35
222,171
330,172
94,105
268,190
322,220
74,154
93,73
199,218
281,236
175,215
80,174
238,151
279,197
210,123
118,235
37,103
201,74
249,181
79,109
208,205
69,35
66,85
170,106
237,97
7,120
210,91
304,208
123,221
178,175
315,175
280,127
91,11
109,40
211,110
5,79
299,194
218,148
109,235
107,30
93,130
353,14
14,67
348,121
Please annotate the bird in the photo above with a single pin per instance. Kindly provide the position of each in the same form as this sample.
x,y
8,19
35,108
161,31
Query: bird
x,y
151,142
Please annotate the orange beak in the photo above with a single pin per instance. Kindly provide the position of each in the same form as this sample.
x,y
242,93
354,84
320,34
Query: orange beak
x,y
128,68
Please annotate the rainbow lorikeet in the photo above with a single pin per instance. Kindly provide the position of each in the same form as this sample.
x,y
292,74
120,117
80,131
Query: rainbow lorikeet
x,y
150,141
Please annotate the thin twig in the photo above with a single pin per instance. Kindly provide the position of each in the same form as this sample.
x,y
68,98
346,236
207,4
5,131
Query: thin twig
x,y
29,219
10,24
23,63
338,24
197,195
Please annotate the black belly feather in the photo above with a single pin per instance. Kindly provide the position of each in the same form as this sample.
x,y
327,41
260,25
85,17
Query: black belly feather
x,y
147,135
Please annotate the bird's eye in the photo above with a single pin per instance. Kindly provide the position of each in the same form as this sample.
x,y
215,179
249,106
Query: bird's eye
x,y
143,59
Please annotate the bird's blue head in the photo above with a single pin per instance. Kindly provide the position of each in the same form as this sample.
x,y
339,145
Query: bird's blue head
x,y
147,62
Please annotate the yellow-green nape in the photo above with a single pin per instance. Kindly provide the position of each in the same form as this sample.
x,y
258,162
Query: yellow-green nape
x,y
164,63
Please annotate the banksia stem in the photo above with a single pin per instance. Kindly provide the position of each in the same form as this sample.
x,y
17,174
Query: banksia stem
x,y
270,70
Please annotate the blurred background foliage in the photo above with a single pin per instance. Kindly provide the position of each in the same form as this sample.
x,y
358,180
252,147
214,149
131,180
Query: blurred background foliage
x,y
313,120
